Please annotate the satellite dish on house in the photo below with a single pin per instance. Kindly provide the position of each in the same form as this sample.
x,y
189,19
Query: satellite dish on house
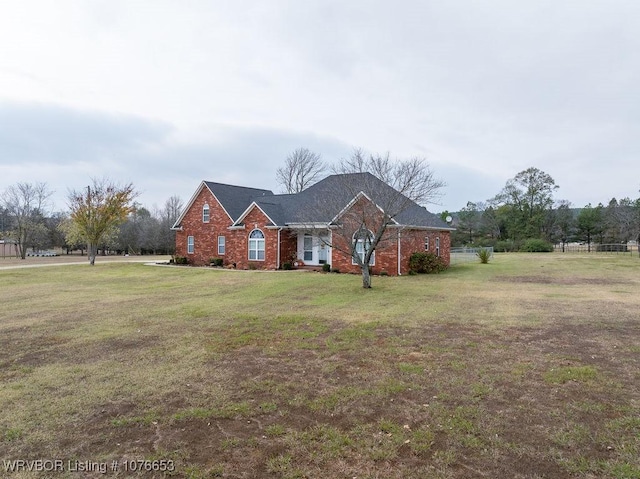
x,y
448,219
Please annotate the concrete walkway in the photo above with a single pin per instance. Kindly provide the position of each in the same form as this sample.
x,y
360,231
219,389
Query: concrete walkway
x,y
67,260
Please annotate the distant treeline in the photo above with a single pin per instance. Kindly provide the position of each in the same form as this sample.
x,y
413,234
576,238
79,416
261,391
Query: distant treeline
x,y
144,231
525,209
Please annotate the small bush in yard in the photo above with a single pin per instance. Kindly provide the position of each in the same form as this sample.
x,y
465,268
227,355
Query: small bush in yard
x,y
506,246
326,267
484,254
535,245
181,260
287,266
426,263
216,261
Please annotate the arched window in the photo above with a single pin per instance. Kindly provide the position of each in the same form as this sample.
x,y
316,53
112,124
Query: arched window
x,y
362,240
256,245
205,213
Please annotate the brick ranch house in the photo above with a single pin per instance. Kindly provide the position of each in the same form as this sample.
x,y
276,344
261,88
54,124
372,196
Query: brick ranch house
x,y
254,228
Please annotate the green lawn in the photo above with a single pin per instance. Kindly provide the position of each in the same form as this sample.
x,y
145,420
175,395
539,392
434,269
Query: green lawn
x,y
527,367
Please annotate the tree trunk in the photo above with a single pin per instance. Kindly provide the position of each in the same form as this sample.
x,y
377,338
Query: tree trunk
x,y
22,250
366,277
92,250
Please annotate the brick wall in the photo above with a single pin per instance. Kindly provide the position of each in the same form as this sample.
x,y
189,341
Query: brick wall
x,y
414,241
387,252
256,219
386,255
205,234
236,240
288,246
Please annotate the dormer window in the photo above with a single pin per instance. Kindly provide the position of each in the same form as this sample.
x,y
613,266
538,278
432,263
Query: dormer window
x,y
205,213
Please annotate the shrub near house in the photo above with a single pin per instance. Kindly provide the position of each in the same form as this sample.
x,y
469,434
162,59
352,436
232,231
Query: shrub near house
x,y
251,228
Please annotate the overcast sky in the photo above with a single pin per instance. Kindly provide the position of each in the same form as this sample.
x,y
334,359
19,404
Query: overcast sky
x,y
165,94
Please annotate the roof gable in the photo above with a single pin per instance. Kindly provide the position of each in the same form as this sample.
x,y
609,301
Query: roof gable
x,y
235,199
249,209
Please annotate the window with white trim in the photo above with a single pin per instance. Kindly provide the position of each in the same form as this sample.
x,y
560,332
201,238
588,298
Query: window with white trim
x,y
438,246
221,245
308,248
362,241
256,245
205,213
190,244
426,243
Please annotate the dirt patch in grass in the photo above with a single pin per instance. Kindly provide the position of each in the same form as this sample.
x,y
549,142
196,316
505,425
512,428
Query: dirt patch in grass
x,y
430,401
566,281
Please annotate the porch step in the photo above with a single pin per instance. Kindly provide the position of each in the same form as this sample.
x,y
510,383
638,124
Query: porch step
x,y
310,268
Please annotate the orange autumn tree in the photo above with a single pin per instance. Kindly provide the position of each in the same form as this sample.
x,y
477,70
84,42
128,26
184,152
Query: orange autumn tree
x,y
98,208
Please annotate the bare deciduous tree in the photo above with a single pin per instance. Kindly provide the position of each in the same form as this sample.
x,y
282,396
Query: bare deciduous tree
x,y
25,205
168,216
369,194
302,168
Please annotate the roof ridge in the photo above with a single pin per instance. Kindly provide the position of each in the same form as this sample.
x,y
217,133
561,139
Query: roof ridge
x,y
237,186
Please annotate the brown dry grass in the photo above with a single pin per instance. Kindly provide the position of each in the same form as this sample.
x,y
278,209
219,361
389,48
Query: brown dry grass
x,y
526,367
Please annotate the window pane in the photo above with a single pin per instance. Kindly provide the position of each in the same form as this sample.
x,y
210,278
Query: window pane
x,y
308,248
256,245
363,240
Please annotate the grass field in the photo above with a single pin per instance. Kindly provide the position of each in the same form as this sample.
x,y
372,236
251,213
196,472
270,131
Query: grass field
x,y
527,367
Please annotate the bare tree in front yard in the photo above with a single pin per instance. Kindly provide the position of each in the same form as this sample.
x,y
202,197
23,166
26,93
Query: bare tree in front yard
x,y
369,195
25,205
302,168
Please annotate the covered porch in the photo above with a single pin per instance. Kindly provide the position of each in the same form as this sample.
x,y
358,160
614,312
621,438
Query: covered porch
x,y
308,247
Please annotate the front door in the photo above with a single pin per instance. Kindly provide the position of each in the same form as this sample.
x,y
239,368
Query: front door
x,y
308,249
322,252
313,249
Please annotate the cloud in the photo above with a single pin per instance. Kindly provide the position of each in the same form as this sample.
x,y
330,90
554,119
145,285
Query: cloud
x,y
34,134
66,147
166,96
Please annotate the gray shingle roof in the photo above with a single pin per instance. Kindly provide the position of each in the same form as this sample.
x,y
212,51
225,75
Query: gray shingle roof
x,y
236,199
321,202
